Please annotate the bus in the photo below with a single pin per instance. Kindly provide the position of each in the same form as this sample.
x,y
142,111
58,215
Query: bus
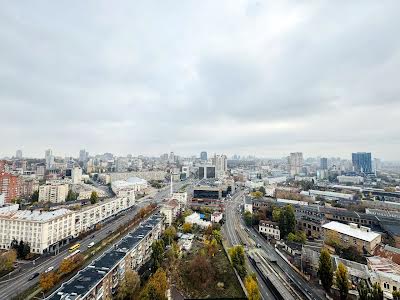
x,y
74,247
72,254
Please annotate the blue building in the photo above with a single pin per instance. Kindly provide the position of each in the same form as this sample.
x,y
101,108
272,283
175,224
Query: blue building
x,y
362,162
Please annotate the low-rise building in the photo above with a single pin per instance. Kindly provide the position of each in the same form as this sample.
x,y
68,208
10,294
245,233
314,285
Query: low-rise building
x,y
216,217
195,219
54,192
362,238
350,179
270,229
123,187
248,204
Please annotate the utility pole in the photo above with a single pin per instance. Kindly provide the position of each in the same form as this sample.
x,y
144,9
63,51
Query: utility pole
x,y
171,183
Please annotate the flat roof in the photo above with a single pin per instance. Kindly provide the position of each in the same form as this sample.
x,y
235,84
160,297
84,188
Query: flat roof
x,y
35,215
94,273
353,232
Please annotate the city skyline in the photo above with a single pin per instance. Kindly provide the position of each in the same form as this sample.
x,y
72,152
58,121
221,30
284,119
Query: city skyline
x,y
264,78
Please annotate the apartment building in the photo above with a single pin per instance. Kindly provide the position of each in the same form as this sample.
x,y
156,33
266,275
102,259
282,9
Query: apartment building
x,y
170,210
45,231
54,192
10,186
91,215
270,229
101,278
361,237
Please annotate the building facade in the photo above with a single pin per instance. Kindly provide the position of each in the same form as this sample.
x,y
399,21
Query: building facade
x,y
10,186
270,229
53,192
362,162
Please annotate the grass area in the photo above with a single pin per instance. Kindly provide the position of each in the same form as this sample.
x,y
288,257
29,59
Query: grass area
x,y
222,281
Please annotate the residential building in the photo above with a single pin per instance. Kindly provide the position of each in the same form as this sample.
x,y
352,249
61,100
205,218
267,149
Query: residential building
x,y
101,278
10,186
76,175
181,198
323,163
248,203
362,238
362,162
221,165
49,159
2,199
270,229
124,187
216,217
53,192
296,163
195,219
18,154
28,186
170,210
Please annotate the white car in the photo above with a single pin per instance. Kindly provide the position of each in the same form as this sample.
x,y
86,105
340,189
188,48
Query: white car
x,y
91,245
51,268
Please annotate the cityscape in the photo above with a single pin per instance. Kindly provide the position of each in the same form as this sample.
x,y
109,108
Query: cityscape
x,y
199,150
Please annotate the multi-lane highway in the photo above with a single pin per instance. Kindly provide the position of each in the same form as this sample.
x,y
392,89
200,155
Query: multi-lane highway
x,y
20,281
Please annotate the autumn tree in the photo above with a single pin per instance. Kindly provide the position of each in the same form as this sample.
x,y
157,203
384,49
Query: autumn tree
x,y
212,247
238,260
187,227
129,286
257,194
47,281
342,281
217,235
251,286
169,235
94,197
325,270
157,253
201,272
156,287
7,260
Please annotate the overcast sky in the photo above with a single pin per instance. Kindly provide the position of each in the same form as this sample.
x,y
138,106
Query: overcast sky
x,y
247,77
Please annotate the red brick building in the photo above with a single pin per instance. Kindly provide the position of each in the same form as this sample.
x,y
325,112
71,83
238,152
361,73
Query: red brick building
x,y
10,186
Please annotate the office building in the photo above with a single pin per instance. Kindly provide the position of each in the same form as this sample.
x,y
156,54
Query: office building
x,y
10,187
361,237
18,154
323,163
221,165
76,175
101,278
295,163
203,155
206,172
362,162
83,156
49,159
53,192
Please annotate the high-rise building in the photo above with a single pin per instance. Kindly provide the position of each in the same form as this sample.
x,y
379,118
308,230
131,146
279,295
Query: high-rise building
x,y
55,193
18,154
206,172
323,163
221,165
49,159
296,163
203,155
10,186
76,175
83,155
362,162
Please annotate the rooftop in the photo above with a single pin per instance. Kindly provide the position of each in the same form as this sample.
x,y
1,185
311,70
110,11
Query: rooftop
x,y
35,215
353,232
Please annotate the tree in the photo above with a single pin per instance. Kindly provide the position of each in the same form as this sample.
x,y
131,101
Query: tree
x,y
71,196
325,270
47,281
217,235
157,253
35,196
22,248
238,260
276,214
94,197
262,190
128,286
212,247
396,295
156,287
257,194
201,272
251,286
7,260
248,218
169,235
367,293
287,220
342,281
187,227
298,237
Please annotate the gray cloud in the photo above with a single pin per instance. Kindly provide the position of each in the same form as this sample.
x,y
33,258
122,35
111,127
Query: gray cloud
x,y
248,77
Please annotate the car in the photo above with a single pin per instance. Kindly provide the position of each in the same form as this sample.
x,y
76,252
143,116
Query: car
x,y
49,269
92,237
258,246
110,231
33,276
91,245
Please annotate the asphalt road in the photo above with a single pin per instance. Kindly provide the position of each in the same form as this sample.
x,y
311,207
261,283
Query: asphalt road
x,y
19,281
231,226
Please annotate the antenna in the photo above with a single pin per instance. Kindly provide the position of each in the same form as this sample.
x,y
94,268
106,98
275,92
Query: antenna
x,y
171,183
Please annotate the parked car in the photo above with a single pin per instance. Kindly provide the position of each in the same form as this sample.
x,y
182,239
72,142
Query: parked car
x,y
33,276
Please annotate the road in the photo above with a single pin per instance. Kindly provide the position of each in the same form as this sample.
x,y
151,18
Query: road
x,y
19,282
230,231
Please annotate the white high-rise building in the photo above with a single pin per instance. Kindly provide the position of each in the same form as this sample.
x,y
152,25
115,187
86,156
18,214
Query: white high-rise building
x,y
49,159
295,163
221,165
76,175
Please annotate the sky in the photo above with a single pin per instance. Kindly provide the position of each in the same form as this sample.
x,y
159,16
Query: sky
x,y
264,78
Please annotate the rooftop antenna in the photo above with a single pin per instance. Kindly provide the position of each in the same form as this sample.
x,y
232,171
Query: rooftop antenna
x,y
171,183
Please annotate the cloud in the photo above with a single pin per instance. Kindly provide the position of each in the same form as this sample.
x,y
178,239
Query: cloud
x,y
247,77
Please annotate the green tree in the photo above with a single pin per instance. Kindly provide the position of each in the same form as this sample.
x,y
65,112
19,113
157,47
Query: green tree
x,y
276,214
251,286
262,190
342,281
35,196
169,235
238,260
257,194
71,196
157,253
248,218
325,270
287,220
396,295
217,235
94,198
367,293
